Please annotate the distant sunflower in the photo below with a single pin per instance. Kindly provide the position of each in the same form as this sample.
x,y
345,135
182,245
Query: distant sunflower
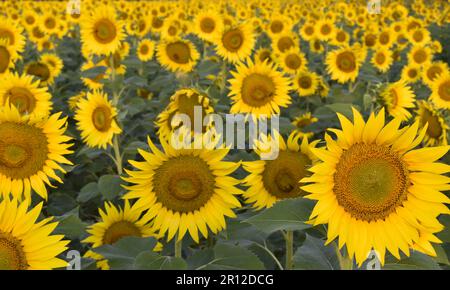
x,y
292,61
411,73
340,38
436,133
208,24
278,24
305,83
284,42
96,120
115,224
235,43
273,180
40,70
101,32
75,99
303,121
6,57
177,54
54,63
398,98
145,50
382,59
343,64
183,101
419,55
374,191
258,89
440,91
263,54
48,22
13,33
25,94
31,150
325,29
308,30
419,36
26,244
184,190
432,70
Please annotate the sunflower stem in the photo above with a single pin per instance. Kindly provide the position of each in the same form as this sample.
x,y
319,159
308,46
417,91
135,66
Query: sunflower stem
x,y
178,246
289,238
345,262
118,156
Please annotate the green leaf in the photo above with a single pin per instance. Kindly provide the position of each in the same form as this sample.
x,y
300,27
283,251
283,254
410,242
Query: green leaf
x,y
153,261
444,236
71,226
110,186
417,261
94,72
344,109
314,255
136,81
229,257
88,192
288,214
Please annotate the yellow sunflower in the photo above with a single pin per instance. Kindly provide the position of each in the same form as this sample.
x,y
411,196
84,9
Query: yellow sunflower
x,y
183,101
25,94
75,99
101,31
427,115
411,73
306,83
419,55
26,244
398,98
235,43
41,71
207,24
32,148
95,118
375,191
93,83
343,64
145,50
263,54
325,29
419,36
185,189
303,121
284,41
13,33
292,61
54,63
308,31
440,91
116,223
258,89
278,24
382,59
7,57
432,70
177,54
273,180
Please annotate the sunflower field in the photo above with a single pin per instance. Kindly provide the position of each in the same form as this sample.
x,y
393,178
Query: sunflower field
x,y
91,178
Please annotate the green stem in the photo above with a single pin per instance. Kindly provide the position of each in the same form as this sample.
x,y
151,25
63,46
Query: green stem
x,y
117,155
178,246
289,238
345,262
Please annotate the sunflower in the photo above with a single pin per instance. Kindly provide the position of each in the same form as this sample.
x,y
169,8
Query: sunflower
x,y
54,63
340,38
95,118
382,59
48,22
184,190
26,244
277,179
101,32
177,54
440,91
6,57
386,38
305,83
278,24
303,121
419,55
258,89
432,70
41,71
31,149
284,42
115,224
398,98
13,33
235,43
25,94
183,101
411,73
308,31
263,54
374,191
207,24
419,36
145,50
427,115
316,46
343,64
292,61
325,29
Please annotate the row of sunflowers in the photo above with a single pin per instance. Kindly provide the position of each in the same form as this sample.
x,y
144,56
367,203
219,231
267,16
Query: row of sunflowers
x,y
89,88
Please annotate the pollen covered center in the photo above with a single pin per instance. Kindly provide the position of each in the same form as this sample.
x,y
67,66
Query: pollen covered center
x,y
207,25
346,62
102,118
105,31
257,90
233,39
444,91
119,230
12,255
179,52
370,182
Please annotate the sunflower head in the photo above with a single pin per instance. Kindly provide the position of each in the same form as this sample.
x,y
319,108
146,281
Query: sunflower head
x,y
440,91
235,43
146,50
292,60
306,83
427,115
177,54
398,98
343,64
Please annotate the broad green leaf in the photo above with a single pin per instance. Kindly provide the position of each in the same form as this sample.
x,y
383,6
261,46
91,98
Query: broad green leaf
x,y
229,257
71,226
153,261
314,255
288,214
417,261
110,186
88,192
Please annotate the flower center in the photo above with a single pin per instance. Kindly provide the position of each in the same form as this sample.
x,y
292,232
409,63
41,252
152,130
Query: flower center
x,y
120,230
346,61
444,91
434,129
370,182
380,58
39,70
233,39
50,23
325,29
293,61
276,26
412,73
304,82
178,52
257,90
4,59
207,25
418,36
340,36
384,38
184,183
284,43
5,33
433,72
105,31
282,175
420,56
12,255
102,118
144,49
309,30
370,40
22,99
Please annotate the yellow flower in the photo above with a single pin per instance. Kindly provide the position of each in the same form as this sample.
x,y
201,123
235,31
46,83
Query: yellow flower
x,y
145,50
235,43
343,64
411,73
382,59
177,55
440,91
374,191
432,70
306,83
398,98
292,61
207,24
436,133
